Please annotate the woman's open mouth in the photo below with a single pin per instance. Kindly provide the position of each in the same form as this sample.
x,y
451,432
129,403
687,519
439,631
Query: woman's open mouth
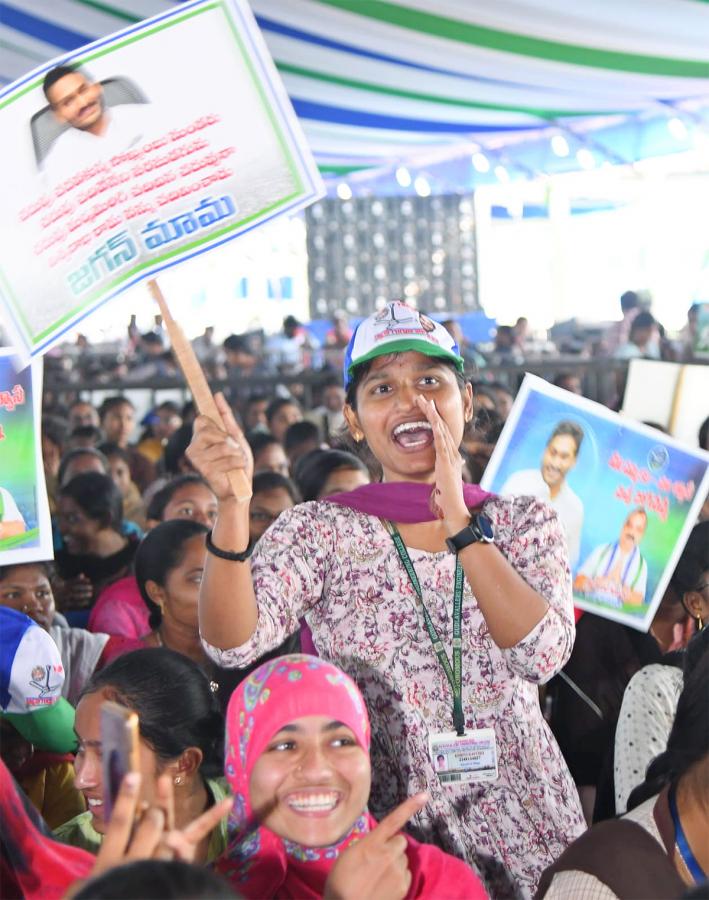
x,y
413,435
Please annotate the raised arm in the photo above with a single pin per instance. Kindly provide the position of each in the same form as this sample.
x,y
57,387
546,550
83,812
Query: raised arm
x,y
227,603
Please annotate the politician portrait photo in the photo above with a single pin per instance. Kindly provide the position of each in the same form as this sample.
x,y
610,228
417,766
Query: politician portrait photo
x,y
85,120
616,573
548,481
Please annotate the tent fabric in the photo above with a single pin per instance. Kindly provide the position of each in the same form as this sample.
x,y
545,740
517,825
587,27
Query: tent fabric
x,y
377,82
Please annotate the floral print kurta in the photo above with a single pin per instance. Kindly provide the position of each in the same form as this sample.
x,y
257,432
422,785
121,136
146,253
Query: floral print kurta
x,y
340,570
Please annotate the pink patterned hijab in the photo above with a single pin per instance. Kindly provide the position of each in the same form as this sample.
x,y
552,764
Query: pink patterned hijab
x,y
258,862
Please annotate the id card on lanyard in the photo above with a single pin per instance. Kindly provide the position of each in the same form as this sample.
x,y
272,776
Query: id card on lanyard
x,y
457,756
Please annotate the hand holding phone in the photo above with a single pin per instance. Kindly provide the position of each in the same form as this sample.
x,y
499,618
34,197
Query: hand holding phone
x,y
120,749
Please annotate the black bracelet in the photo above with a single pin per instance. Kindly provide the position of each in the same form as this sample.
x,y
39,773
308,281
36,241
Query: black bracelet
x,y
227,554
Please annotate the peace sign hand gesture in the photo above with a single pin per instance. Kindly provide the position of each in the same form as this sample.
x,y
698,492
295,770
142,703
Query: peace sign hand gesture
x,y
376,867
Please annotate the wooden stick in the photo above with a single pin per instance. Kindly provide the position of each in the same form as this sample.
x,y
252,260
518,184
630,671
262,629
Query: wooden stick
x,y
676,401
197,383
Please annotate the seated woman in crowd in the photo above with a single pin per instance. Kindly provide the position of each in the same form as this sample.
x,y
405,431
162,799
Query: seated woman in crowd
x,y
120,608
181,734
27,587
650,700
96,552
168,571
587,696
659,849
324,472
273,493
119,470
297,761
268,454
117,415
281,413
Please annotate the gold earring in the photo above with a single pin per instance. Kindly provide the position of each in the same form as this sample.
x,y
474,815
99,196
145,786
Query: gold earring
x,y
700,623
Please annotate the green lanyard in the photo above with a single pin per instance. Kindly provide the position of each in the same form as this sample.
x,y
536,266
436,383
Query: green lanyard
x,y
454,673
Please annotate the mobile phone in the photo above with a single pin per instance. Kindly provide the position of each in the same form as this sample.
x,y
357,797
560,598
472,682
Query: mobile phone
x,y
120,750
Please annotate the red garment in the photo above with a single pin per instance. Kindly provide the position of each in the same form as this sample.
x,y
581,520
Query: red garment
x,y
32,864
260,863
119,609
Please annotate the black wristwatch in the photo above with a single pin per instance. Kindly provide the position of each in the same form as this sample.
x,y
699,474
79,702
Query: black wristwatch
x,y
479,529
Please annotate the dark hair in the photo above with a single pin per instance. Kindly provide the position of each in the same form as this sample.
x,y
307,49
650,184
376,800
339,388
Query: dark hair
x,y
113,403
54,429
644,319
237,343
256,397
98,497
79,401
313,469
499,386
300,433
274,481
71,455
694,560
161,551
568,428
174,701
177,444
259,440
697,647
275,405
703,436
689,738
562,377
110,450
629,300
156,507
46,567
167,879
54,75
152,337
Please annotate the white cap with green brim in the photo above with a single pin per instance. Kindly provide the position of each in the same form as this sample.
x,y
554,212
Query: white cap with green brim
x,y
396,329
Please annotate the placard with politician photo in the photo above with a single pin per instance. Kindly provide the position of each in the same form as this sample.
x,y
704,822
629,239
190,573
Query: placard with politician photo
x,y
627,495
136,152
25,527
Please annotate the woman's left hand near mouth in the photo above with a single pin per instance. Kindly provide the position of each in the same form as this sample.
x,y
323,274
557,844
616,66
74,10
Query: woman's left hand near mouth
x,y
448,472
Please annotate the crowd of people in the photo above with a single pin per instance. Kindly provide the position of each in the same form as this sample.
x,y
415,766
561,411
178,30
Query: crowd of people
x,y
295,350
367,679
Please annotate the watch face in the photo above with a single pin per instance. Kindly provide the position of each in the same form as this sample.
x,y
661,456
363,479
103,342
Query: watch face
x,y
485,528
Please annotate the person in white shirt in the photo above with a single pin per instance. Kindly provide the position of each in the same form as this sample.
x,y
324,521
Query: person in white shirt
x,y
97,131
549,482
616,573
11,521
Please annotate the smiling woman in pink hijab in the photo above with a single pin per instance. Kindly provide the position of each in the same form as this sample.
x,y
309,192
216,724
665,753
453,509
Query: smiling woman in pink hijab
x,y
297,760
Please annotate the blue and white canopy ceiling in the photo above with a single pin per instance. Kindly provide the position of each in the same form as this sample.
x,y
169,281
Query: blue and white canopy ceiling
x,y
475,89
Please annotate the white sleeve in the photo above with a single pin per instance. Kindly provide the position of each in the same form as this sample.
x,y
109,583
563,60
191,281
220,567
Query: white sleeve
x,y
11,513
644,723
591,562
